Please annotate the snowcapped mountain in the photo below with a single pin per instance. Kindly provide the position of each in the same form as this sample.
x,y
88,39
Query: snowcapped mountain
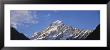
x,y
60,31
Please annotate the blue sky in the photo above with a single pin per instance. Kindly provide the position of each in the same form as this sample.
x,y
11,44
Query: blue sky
x,y
30,21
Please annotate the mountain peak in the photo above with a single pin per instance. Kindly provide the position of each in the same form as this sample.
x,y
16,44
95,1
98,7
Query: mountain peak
x,y
59,31
57,21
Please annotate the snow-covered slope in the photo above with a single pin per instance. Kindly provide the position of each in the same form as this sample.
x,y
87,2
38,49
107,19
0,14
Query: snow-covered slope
x,y
60,31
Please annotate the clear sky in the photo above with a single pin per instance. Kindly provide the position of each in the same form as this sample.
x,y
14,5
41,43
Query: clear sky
x,y
30,21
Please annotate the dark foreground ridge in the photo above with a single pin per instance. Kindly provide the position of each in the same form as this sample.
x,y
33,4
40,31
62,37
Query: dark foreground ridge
x,y
15,35
95,35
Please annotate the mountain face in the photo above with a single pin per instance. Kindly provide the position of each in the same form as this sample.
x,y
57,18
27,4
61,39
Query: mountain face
x,y
59,31
15,35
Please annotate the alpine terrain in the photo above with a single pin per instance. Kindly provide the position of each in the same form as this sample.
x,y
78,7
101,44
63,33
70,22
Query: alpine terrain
x,y
60,31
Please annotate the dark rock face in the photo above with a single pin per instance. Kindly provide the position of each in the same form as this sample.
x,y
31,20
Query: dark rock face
x,y
95,35
15,35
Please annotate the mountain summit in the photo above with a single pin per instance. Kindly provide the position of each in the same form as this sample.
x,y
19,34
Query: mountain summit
x,y
60,31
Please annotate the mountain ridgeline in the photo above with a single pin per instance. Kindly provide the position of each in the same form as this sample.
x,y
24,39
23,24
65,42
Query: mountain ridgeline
x,y
15,35
59,31
95,35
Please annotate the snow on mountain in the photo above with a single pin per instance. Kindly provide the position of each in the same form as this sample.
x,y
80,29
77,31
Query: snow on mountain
x,y
60,31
